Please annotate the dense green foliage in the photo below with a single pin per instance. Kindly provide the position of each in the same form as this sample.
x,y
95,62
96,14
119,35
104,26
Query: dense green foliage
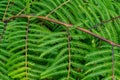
x,y
36,49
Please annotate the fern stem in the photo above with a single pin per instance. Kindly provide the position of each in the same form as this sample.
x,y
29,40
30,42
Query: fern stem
x,y
57,8
69,54
27,7
113,63
6,10
103,22
26,49
4,29
24,9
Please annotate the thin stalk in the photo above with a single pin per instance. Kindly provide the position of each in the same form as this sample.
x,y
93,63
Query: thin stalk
x,y
4,29
26,49
57,8
113,63
69,53
6,10
103,22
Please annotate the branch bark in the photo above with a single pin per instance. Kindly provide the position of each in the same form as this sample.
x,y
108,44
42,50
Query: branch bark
x,y
66,25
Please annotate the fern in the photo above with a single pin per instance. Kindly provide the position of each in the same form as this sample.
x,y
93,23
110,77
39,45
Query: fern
x,y
36,49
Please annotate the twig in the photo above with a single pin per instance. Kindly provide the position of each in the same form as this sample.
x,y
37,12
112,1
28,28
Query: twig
x,y
40,17
97,36
66,25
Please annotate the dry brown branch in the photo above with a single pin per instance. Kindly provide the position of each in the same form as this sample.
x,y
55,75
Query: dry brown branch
x,y
66,25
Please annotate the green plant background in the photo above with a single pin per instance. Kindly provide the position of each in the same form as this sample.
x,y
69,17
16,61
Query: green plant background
x,y
38,49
